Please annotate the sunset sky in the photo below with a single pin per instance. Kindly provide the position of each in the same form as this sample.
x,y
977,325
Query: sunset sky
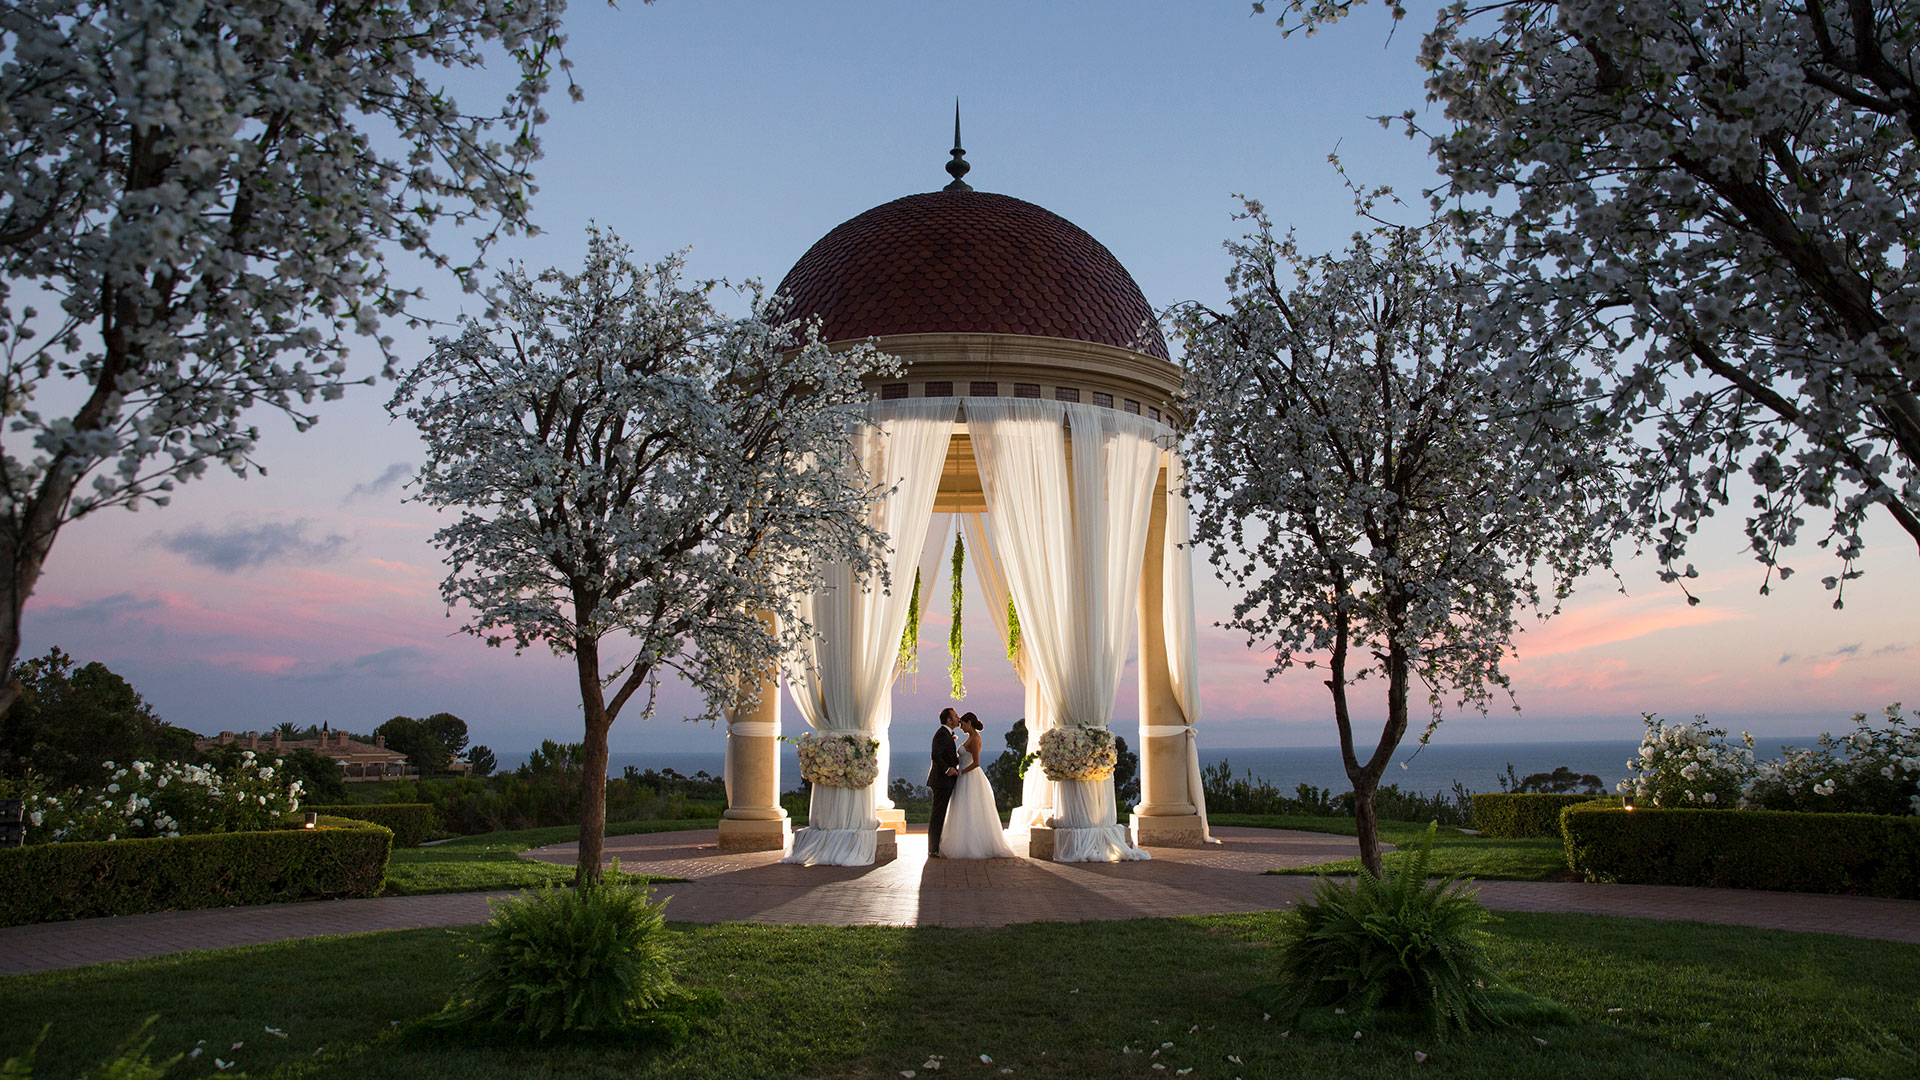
x,y
745,132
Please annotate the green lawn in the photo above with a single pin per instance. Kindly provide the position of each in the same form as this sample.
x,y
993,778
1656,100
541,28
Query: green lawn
x,y
1454,852
492,861
1667,1000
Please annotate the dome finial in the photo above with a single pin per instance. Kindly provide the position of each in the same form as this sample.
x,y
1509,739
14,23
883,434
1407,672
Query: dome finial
x,y
958,167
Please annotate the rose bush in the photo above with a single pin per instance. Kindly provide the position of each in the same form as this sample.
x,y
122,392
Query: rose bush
x,y
1689,765
144,799
1872,771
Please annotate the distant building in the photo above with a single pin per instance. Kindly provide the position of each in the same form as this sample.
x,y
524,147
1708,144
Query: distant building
x,y
358,760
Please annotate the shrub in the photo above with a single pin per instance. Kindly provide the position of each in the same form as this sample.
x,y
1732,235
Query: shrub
x,y
319,775
1872,771
85,880
1689,765
1246,795
410,822
1399,943
1513,816
1876,855
144,799
546,791
559,960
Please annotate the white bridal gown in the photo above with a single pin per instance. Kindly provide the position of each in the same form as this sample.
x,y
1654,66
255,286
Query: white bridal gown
x,y
972,830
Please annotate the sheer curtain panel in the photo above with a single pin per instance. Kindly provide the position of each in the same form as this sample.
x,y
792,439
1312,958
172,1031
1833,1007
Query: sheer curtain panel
x,y
842,679
1036,791
1071,541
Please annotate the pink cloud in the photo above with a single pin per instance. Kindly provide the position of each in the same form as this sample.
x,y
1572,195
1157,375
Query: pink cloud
x,y
1611,622
252,663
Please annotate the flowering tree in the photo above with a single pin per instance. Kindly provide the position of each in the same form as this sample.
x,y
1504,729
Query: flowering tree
x,y
1358,476
202,194
628,463
1726,196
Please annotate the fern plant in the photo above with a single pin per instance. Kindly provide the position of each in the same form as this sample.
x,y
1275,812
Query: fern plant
x,y
1398,942
563,959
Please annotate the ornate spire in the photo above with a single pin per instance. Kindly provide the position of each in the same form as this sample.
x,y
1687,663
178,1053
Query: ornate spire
x,y
958,167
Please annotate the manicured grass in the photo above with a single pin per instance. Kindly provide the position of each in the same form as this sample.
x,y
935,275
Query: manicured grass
x,y
1454,852
492,861
1047,1000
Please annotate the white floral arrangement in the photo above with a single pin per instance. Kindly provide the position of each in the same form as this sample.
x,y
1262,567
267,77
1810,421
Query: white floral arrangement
x,y
1072,752
839,759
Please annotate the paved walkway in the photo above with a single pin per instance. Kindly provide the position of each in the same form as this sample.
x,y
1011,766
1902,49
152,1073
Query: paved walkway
x,y
916,891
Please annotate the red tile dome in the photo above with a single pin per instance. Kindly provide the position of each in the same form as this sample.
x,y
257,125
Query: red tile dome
x,y
969,262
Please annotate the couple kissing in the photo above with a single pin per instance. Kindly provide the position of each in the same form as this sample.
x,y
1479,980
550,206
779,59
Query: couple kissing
x,y
965,823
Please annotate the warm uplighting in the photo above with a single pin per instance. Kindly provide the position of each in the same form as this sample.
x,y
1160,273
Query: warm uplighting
x,y
313,820
1625,800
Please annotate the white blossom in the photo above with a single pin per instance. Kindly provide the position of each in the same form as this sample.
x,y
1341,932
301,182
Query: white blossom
x,y
1361,481
628,465
1725,197
208,191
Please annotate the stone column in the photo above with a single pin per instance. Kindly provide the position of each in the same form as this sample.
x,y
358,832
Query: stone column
x,y
889,815
1166,815
754,820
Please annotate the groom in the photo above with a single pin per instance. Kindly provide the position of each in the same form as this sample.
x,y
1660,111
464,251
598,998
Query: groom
x,y
940,778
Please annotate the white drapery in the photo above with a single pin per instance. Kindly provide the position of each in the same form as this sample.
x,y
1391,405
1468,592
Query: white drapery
x,y
1036,791
932,557
1182,630
842,679
1071,541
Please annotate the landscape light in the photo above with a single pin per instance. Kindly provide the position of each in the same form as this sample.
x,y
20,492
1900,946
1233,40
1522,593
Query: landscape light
x,y
313,820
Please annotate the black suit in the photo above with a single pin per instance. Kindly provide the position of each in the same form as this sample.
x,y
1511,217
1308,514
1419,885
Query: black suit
x,y
944,757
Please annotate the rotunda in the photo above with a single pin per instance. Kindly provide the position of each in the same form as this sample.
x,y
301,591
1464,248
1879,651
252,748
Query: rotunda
x,y
1037,406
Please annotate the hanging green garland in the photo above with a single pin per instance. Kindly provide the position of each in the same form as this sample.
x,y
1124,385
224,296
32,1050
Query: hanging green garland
x,y
1013,630
954,674
910,637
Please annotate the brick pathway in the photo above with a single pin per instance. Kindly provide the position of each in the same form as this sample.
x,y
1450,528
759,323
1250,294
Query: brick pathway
x,y
916,891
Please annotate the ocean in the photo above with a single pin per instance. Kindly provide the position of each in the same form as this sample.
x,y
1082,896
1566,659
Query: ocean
x,y
1431,770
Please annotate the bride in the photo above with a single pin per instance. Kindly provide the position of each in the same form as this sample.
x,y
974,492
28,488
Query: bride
x,y
973,821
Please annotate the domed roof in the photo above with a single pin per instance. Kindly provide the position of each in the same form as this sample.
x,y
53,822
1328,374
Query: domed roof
x,y
969,262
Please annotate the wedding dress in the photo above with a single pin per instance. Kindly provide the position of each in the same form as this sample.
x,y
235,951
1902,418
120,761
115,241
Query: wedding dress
x,y
972,830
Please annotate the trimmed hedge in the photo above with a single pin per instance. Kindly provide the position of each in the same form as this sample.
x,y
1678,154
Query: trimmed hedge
x,y
50,882
1514,816
411,822
1868,854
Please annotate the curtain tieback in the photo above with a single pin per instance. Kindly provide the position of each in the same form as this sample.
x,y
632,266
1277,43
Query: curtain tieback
x,y
1165,731
765,729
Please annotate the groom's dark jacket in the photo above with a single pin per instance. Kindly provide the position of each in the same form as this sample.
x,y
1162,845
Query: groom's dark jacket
x,y
944,757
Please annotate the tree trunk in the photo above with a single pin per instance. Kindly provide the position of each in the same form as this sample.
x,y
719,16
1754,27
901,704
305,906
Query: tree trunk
x,y
593,784
1366,822
1366,778
24,555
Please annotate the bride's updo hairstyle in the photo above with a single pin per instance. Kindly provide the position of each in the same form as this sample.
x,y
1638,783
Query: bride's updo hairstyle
x,y
972,722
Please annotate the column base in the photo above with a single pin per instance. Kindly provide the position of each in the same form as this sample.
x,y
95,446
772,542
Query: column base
x,y
1040,843
1175,831
885,846
895,819
737,835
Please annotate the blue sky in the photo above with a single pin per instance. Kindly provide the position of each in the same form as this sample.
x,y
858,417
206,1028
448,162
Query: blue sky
x,y
745,132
